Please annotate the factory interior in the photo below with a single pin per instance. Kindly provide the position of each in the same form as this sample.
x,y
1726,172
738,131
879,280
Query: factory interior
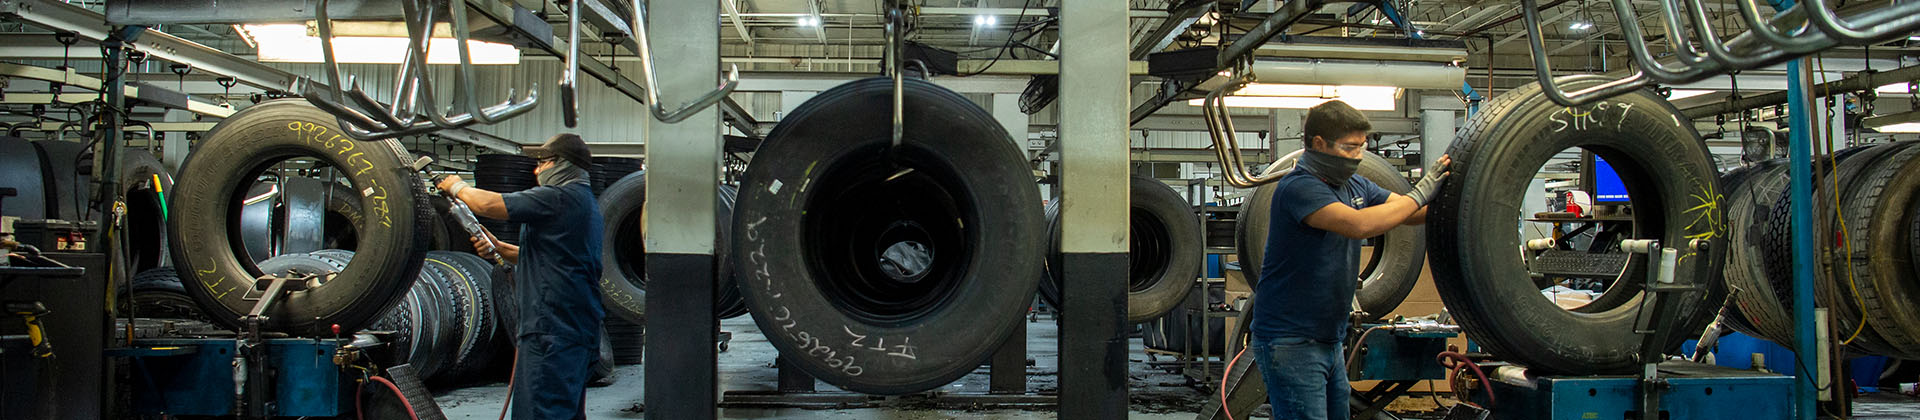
x,y
960,209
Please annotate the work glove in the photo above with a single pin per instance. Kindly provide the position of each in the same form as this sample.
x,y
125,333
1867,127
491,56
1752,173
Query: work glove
x,y
1430,179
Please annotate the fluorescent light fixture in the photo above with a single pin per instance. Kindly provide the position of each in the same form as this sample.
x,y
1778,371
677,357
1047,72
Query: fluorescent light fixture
x,y
1914,38
1909,127
809,21
1580,26
985,20
1678,94
1894,88
290,43
1290,96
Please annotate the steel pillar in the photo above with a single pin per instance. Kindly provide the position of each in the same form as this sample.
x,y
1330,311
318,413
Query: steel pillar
x,y
682,180
1094,152
1436,134
1800,194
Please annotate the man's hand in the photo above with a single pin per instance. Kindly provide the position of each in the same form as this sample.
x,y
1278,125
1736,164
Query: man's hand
x,y
507,251
1430,180
452,184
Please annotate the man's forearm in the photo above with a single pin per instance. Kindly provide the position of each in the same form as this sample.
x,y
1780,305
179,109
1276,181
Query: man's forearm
x,y
1419,217
484,203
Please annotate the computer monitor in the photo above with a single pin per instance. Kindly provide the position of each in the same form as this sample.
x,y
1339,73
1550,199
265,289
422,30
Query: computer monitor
x,y
1604,183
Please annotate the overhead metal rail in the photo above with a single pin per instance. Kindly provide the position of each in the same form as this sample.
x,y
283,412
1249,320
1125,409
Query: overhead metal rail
x,y
1856,83
93,27
69,77
494,19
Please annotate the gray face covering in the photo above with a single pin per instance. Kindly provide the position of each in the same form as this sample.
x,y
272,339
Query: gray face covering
x,y
562,172
1335,170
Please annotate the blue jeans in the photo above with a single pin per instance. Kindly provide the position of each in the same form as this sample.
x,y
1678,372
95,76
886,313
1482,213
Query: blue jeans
x,y
1306,379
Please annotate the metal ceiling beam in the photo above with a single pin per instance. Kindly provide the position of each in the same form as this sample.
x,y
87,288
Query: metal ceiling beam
x,y
69,77
1547,21
159,12
93,27
1170,29
1859,82
732,7
819,27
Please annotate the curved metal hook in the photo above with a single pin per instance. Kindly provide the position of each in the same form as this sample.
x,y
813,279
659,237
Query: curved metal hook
x,y
1898,20
653,86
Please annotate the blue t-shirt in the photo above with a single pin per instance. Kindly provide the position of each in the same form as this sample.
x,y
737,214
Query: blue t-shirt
x,y
558,275
1308,276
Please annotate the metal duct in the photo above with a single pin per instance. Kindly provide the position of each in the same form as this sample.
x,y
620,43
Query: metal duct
x,y
1402,74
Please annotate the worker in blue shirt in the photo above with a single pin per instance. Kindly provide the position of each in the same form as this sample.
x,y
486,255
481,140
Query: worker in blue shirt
x,y
1304,297
557,274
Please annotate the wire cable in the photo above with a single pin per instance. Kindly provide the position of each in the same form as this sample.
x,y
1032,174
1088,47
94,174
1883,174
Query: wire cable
x,y
1006,47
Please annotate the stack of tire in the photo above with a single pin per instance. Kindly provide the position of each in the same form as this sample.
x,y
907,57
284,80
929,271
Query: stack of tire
x,y
445,326
1864,200
504,174
608,170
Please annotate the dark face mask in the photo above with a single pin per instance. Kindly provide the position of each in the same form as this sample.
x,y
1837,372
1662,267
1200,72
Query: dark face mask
x,y
1335,170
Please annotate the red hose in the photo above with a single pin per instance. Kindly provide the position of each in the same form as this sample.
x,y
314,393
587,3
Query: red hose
x,y
1463,361
1224,374
515,370
396,392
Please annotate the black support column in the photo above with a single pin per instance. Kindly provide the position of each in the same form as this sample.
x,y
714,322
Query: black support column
x,y
1094,147
682,178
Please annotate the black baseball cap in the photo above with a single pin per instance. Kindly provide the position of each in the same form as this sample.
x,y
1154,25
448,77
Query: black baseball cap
x,y
567,146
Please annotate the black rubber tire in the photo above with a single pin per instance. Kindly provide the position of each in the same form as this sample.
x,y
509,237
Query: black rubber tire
x,y
20,169
1674,188
603,363
623,280
1878,224
157,293
1853,267
345,217
1165,256
825,178
1756,308
145,244
1830,285
1385,279
68,191
205,209
629,341
473,350
506,309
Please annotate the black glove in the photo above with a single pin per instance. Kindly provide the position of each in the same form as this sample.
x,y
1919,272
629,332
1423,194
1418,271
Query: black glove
x,y
1429,183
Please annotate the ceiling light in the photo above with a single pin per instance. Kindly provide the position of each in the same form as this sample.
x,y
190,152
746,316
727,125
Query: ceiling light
x,y
290,43
809,21
1678,94
1893,88
1910,127
984,20
1580,26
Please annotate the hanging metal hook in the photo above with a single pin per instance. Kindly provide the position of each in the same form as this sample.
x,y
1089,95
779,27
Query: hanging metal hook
x,y
653,86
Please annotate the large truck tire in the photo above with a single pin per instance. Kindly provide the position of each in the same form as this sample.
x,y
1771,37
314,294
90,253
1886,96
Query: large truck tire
x,y
1164,257
623,253
1674,189
206,205
833,220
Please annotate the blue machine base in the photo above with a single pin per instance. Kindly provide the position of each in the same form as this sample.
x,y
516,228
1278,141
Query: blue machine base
x,y
1695,391
194,376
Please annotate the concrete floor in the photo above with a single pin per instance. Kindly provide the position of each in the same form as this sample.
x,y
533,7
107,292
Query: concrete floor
x,y
747,365
1155,393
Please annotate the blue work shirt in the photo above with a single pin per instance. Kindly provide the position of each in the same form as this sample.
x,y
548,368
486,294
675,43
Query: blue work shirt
x,y
558,275
1308,276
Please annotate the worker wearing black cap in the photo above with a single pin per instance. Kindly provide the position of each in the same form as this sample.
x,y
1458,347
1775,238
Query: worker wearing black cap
x,y
557,274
